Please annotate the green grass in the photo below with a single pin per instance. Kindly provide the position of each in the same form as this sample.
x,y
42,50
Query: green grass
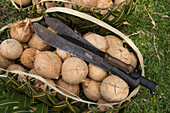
x,y
150,47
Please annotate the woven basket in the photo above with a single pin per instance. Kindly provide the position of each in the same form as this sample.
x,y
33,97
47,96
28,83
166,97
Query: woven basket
x,y
111,15
46,97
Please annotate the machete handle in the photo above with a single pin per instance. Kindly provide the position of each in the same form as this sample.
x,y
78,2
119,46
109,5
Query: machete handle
x,y
145,82
129,80
118,63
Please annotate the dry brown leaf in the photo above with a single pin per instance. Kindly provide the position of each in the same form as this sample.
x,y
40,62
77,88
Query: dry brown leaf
x,y
138,32
153,22
156,48
126,23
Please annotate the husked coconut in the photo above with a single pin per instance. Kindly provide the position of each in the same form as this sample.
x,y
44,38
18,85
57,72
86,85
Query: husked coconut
x,y
11,49
66,88
62,54
96,40
74,70
48,64
118,2
18,67
112,40
96,73
38,43
120,53
33,71
41,86
67,5
133,60
49,4
114,89
22,31
22,2
102,107
4,63
27,57
35,1
104,4
88,3
91,89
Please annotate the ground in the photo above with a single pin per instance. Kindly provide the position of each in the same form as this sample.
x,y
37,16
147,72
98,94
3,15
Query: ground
x,y
149,30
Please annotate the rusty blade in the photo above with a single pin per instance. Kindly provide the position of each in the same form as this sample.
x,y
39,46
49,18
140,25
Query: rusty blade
x,y
68,46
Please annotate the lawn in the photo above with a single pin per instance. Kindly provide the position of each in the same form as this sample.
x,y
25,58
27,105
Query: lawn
x,y
149,26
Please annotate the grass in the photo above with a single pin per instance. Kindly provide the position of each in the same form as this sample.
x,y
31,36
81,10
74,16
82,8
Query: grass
x,y
153,44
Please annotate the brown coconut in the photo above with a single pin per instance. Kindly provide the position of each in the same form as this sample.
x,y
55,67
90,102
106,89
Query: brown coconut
x,y
133,59
96,40
96,73
112,40
41,86
27,57
66,88
35,1
33,71
62,54
22,2
104,4
68,5
4,63
114,89
74,70
38,43
102,107
118,2
120,53
48,64
49,4
91,89
11,49
88,3
17,67
22,31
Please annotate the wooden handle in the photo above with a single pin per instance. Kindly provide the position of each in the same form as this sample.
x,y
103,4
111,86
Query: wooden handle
x,y
119,64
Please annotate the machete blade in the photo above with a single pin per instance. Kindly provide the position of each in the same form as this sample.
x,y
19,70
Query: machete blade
x,y
63,29
59,42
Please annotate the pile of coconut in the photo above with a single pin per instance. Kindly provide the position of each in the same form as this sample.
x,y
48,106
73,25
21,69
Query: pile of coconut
x,y
87,3
26,52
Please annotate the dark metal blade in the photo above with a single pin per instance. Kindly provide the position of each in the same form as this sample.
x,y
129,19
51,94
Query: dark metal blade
x,y
69,47
63,29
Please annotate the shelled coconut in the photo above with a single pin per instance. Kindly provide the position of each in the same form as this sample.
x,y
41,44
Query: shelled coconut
x,y
91,89
27,57
66,88
114,89
96,40
48,64
11,49
22,2
37,43
4,63
74,70
22,31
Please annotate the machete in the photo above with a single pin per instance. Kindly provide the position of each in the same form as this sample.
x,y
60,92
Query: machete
x,y
79,47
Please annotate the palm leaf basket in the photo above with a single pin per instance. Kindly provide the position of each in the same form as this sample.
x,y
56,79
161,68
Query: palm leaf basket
x,y
46,102
114,16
